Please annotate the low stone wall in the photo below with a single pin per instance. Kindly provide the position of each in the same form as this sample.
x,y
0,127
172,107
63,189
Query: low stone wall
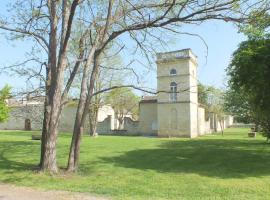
x,y
104,127
130,127
240,125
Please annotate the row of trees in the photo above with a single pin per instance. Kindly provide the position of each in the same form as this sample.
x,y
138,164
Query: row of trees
x,y
72,37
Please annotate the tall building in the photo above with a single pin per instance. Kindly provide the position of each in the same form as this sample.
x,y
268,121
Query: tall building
x,y
174,111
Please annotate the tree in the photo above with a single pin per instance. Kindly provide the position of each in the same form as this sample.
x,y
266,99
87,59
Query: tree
x,y
50,26
203,94
250,71
139,19
258,25
213,100
237,104
124,102
4,109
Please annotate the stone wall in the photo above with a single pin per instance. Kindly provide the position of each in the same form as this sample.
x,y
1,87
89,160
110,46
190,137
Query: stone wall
x,y
146,126
130,127
19,114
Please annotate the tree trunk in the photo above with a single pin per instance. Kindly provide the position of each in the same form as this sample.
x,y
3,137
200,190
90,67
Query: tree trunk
x,y
221,127
78,129
45,128
93,119
121,123
78,125
54,82
50,127
49,155
50,68
82,111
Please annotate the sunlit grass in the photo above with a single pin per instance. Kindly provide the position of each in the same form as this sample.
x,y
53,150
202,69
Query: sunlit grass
x,y
209,167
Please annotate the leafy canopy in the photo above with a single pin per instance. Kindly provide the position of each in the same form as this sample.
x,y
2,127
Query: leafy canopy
x,y
249,74
124,101
4,109
212,99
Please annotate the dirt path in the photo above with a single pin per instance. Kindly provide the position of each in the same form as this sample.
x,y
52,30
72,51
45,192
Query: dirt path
x,y
11,192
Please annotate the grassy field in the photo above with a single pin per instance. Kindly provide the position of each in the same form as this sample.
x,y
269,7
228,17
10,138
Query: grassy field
x,y
209,167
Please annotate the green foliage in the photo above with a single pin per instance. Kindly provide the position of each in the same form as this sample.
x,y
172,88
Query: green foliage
x,y
202,94
124,101
258,26
249,72
236,103
4,109
212,99
139,168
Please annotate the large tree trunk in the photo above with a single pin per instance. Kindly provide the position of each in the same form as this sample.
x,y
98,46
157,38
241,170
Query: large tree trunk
x,y
46,161
54,83
45,128
49,159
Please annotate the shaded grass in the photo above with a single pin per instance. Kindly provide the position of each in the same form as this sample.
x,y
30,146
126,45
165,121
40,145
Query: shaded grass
x,y
209,167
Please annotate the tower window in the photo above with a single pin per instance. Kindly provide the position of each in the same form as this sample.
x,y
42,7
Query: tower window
x,y
173,72
173,92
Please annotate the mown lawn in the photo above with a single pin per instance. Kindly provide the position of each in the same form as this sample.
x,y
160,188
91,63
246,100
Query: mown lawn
x,y
209,167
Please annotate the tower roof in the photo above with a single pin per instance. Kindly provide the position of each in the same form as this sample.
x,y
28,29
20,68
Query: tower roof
x,y
175,55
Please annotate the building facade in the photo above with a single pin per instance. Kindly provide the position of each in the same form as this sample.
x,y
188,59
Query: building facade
x,y
173,112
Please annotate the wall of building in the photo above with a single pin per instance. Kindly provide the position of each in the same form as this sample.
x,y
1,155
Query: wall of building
x,y
148,118
229,121
104,127
19,114
166,118
106,120
146,126
184,109
181,78
203,122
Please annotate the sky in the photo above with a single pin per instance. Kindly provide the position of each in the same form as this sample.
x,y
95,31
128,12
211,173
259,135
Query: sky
x,y
221,38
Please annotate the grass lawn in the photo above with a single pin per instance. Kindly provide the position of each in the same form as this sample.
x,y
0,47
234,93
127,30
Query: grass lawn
x,y
208,167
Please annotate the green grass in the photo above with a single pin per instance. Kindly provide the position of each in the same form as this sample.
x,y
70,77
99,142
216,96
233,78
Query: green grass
x,y
209,167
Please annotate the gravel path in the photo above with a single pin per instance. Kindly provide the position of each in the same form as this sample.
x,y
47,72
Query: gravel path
x,y
11,192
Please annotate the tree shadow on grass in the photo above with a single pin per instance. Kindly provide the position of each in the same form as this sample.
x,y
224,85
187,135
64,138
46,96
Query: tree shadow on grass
x,y
17,157
207,157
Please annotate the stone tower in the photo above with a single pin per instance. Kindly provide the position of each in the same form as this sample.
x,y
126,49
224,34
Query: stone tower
x,y
177,99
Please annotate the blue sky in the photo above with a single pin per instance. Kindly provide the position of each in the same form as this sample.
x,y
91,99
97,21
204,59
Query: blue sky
x,y
222,39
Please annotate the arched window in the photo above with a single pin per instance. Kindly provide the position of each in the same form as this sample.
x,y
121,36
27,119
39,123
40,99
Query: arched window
x,y
173,92
173,72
